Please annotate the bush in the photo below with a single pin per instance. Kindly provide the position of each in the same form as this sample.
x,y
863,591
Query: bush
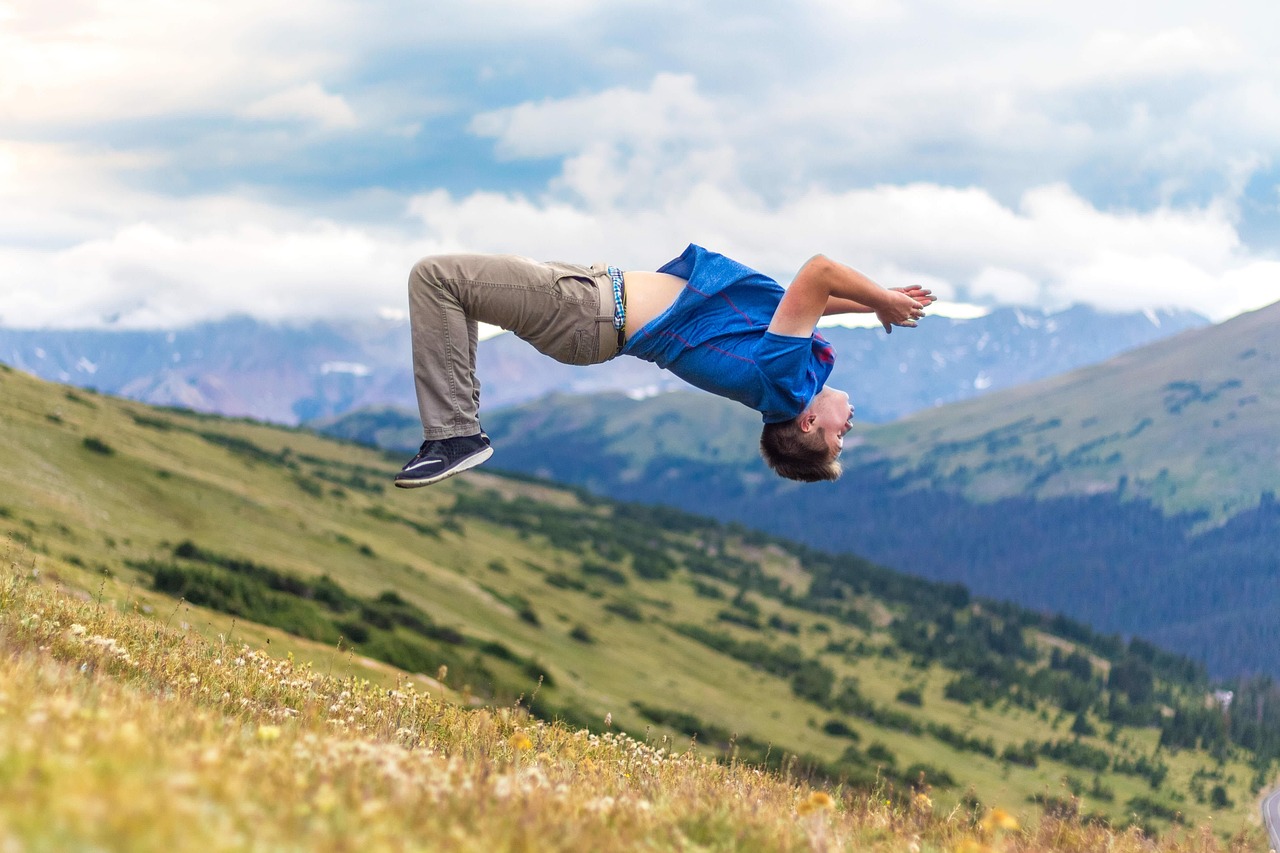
x,y
1024,755
1076,754
605,573
879,752
1149,808
626,609
354,630
97,445
920,774
563,581
838,728
777,623
652,565
706,590
737,617
813,681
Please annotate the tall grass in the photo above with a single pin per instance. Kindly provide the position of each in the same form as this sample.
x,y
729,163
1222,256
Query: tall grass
x,y
121,732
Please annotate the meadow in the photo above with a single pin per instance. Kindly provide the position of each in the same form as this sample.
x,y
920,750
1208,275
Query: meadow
x,y
122,732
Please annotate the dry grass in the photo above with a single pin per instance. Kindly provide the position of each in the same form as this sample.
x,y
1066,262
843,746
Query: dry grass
x,y
118,732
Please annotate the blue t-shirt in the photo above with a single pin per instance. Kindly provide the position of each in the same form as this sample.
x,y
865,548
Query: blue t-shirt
x,y
716,337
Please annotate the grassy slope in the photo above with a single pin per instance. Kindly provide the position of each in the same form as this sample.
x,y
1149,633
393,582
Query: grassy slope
x,y
100,710
72,512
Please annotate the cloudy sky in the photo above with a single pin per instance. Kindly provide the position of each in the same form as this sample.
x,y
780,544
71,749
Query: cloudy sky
x,y
162,162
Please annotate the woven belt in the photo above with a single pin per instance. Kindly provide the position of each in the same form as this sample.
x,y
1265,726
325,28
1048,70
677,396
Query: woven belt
x,y
619,305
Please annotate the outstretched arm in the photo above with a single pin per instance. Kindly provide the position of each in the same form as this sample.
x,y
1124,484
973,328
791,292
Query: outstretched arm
x,y
836,305
821,279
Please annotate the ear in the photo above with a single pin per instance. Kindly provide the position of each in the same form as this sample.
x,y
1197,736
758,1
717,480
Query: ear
x,y
806,421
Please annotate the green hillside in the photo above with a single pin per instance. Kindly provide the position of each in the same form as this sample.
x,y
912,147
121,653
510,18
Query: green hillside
x,y
496,589
1189,423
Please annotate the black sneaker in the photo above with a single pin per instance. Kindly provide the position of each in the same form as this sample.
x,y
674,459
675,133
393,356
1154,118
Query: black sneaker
x,y
441,458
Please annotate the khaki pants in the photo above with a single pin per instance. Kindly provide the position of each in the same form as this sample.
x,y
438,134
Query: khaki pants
x,y
563,310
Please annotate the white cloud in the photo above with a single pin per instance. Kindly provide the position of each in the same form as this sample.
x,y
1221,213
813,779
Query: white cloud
x,y
107,61
1112,54
308,102
153,275
1000,284
672,109
176,262
1053,249
990,149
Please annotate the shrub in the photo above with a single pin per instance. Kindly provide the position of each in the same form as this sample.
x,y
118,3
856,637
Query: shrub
x,y
1024,755
97,445
605,573
706,590
837,728
879,752
626,609
920,774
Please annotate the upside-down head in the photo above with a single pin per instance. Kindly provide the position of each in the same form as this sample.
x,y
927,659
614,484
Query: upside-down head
x,y
807,447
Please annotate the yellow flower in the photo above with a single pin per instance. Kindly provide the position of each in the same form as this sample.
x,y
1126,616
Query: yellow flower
x,y
520,742
971,845
818,801
326,799
267,734
998,818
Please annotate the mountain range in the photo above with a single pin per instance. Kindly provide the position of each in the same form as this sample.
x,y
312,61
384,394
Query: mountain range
x,y
1136,494
293,374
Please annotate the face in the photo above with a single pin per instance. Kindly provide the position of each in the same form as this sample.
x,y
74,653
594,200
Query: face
x,y
831,413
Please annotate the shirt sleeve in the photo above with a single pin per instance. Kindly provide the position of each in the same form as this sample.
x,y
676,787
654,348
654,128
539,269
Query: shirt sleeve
x,y
786,366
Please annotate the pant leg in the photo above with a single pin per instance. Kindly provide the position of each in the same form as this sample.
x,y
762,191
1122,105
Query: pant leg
x,y
559,308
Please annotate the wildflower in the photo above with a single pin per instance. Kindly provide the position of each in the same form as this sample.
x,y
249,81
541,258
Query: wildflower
x,y
267,734
520,742
442,673
326,799
78,630
971,845
608,720
600,804
998,819
921,802
818,801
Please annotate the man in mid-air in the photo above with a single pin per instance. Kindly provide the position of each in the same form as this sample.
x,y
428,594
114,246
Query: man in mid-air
x,y
713,322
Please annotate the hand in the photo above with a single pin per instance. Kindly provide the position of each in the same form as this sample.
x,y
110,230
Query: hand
x,y
922,295
900,309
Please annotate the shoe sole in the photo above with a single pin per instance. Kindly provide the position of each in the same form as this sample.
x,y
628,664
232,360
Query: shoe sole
x,y
466,464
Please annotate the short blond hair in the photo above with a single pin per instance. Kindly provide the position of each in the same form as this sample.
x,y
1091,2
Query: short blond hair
x,y
798,455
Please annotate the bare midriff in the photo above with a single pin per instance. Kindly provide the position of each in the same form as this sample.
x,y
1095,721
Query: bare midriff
x,y
648,295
